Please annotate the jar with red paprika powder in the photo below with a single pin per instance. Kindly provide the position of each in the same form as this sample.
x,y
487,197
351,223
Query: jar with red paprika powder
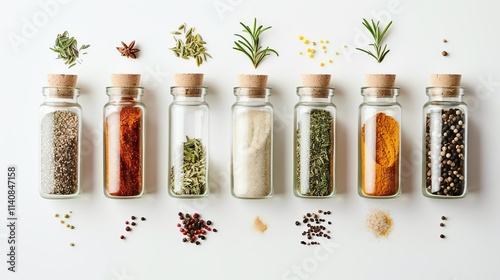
x,y
379,138
124,137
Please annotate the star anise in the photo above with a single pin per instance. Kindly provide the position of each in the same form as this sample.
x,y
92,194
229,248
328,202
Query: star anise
x,y
129,50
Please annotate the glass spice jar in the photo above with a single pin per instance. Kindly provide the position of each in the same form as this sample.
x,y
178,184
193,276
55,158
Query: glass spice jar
x,y
379,138
59,139
314,138
189,138
252,139
445,137
124,137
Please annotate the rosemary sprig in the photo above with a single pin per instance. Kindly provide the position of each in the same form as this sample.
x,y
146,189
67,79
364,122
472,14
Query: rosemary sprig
x,y
193,46
67,49
252,48
378,36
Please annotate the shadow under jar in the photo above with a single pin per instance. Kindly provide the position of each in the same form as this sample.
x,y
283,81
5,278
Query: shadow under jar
x,y
314,138
189,138
379,143
445,137
60,145
124,139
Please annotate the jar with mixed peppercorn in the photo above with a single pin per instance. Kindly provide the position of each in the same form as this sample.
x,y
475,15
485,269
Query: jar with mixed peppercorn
x,y
445,139
124,137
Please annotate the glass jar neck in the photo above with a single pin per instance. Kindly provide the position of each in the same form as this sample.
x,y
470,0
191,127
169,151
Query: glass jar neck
x,y
130,94
252,94
453,94
188,94
380,94
61,94
315,94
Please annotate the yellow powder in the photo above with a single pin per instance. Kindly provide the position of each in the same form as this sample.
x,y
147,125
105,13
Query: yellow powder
x,y
259,225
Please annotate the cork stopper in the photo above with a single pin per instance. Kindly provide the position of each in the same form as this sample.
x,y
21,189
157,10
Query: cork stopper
x,y
447,85
125,80
256,85
383,84
189,84
125,84
319,85
64,84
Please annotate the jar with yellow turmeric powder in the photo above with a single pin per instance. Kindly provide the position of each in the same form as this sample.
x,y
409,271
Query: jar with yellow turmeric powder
x,y
314,138
445,139
379,138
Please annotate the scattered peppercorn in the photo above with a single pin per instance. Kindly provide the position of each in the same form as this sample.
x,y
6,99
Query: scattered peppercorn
x,y
445,41
443,218
122,237
127,228
66,216
442,236
444,53
62,221
72,244
198,243
441,224
143,219
133,217
126,222
194,227
315,229
133,224
56,215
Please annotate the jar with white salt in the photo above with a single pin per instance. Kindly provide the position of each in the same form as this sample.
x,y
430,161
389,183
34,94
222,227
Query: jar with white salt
x,y
314,138
252,139
189,137
60,138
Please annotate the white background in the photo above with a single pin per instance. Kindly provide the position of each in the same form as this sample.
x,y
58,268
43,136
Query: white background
x,y
154,250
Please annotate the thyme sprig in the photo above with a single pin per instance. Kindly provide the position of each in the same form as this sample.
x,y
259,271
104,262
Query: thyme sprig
x,y
67,49
252,47
378,36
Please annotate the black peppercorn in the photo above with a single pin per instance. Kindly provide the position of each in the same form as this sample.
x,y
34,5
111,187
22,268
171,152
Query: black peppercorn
x,y
442,236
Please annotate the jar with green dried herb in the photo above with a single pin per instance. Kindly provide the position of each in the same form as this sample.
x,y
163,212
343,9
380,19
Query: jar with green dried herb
x,y
189,137
60,134
314,139
124,137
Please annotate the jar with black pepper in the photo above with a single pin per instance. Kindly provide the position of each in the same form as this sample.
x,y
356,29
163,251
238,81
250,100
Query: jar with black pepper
x,y
252,139
445,139
60,138
314,138
189,138
379,138
124,137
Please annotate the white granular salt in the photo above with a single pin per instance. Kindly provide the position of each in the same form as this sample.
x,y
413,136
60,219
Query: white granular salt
x,y
252,136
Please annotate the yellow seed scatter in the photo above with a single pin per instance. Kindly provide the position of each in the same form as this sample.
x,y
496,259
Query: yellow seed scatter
x,y
311,55
324,51
301,37
313,50
306,41
321,64
345,46
321,41
330,61
327,41
300,53
308,49
323,47
314,43
336,53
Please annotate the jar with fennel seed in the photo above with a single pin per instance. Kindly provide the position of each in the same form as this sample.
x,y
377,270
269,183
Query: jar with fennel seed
x,y
379,153
124,137
60,138
252,139
189,137
314,138
445,139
